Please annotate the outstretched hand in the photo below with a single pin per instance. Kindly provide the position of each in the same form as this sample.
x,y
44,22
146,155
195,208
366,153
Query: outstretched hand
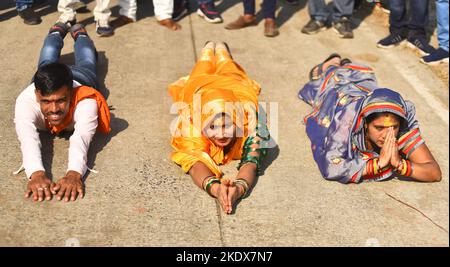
x,y
69,187
39,186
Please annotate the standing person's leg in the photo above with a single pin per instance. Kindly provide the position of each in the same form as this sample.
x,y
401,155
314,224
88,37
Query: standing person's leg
x,y
85,68
397,18
207,10
418,18
128,9
318,10
68,13
342,8
342,14
101,17
417,27
442,23
248,19
270,26
51,50
163,13
319,15
26,12
441,54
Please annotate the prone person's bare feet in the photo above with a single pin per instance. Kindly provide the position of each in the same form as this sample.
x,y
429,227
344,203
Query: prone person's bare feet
x,y
170,24
210,45
223,46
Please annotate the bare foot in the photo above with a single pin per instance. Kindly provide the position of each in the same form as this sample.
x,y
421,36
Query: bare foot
x,y
210,45
335,61
223,46
170,24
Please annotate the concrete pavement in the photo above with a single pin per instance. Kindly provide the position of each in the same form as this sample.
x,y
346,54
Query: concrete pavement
x,y
140,198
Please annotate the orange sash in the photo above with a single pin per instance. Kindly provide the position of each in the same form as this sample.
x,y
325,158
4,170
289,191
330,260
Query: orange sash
x,y
81,93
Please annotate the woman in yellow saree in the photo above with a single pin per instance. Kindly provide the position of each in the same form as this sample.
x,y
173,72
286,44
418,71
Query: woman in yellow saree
x,y
217,106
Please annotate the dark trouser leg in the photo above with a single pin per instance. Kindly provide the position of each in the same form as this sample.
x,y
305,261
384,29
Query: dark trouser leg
x,y
418,18
269,8
342,8
51,50
85,69
397,18
23,4
318,10
249,7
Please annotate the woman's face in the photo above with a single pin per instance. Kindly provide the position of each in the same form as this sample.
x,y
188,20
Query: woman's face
x,y
221,131
377,129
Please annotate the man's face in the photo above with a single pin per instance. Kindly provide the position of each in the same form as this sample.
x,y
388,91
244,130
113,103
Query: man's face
x,y
221,131
378,128
55,106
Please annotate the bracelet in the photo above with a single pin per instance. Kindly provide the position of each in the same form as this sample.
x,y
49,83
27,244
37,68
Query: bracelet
x,y
406,168
244,184
211,181
205,179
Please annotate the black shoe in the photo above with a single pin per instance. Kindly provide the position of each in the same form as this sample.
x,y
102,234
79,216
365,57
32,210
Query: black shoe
x,y
77,30
421,45
314,26
29,16
209,13
104,29
343,27
391,41
60,27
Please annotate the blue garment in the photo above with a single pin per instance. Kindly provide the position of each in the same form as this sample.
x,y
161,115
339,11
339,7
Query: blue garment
x,y
442,21
341,8
341,99
415,25
269,8
23,4
85,69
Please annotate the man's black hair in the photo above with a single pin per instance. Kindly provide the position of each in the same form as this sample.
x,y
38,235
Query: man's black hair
x,y
51,77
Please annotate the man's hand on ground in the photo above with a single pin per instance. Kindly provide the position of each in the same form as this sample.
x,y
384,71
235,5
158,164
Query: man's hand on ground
x,y
69,187
39,186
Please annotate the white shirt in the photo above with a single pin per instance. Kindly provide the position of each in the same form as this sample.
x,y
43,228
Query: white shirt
x,y
29,119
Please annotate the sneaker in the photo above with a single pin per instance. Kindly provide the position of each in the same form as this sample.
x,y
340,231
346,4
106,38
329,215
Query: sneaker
x,y
103,28
391,41
180,9
29,16
421,45
343,27
437,57
209,13
314,26
77,30
61,28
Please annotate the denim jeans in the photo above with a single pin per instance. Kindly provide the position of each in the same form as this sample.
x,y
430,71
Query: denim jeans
x,y
415,25
85,69
22,4
341,8
269,8
442,21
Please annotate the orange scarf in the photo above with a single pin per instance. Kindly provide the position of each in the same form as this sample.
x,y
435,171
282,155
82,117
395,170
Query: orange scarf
x,y
78,94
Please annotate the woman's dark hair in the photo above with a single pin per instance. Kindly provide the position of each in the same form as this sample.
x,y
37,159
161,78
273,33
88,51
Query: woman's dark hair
x,y
52,77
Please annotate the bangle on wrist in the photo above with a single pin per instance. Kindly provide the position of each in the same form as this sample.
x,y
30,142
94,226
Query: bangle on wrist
x,y
244,184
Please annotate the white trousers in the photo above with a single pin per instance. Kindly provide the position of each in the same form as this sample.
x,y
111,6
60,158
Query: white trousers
x,y
101,11
163,9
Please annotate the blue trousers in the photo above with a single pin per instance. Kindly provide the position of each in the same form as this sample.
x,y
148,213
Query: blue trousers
x,y
341,8
412,26
22,4
85,69
442,21
269,8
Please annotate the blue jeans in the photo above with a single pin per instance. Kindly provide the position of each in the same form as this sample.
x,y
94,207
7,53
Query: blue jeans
x,y
22,4
442,21
341,8
415,25
85,69
269,8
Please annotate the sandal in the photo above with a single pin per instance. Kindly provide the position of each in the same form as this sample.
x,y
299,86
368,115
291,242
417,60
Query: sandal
x,y
345,61
319,67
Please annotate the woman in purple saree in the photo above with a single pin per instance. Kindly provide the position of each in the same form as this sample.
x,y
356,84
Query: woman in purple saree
x,y
360,132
